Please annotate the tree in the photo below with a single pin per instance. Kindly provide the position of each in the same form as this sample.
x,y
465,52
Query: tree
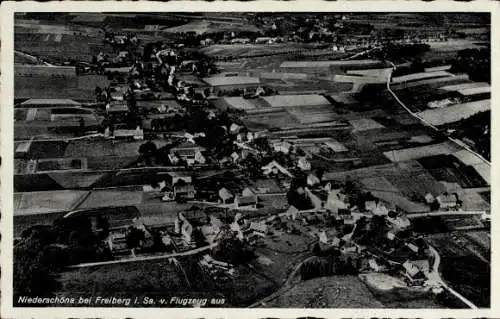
x,y
148,151
36,263
232,250
134,238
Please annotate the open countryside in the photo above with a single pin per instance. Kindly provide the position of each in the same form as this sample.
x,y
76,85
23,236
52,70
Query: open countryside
x,y
283,160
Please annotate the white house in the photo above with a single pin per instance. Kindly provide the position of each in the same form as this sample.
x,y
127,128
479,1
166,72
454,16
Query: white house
x,y
303,163
429,199
312,180
259,228
334,201
275,168
282,146
447,201
235,157
235,128
225,196
292,212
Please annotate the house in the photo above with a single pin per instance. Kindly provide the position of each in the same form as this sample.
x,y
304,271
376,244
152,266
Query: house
x,y
335,201
412,247
235,157
312,180
411,270
173,158
292,212
316,201
323,238
348,219
377,207
282,146
372,262
210,232
154,188
184,228
390,235
303,163
117,240
235,128
250,136
191,155
259,228
399,222
247,201
174,178
182,190
225,196
274,168
248,192
447,201
429,199
241,137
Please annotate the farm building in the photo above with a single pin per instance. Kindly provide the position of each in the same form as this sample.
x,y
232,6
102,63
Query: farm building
x,y
219,84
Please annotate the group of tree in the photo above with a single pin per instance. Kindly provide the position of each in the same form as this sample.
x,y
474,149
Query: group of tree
x,y
232,250
474,62
400,52
328,265
45,250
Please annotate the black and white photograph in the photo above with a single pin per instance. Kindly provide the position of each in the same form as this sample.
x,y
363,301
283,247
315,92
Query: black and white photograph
x,y
251,160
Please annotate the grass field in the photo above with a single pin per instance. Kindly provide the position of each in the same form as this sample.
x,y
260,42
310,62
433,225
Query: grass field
x,y
280,119
126,280
328,292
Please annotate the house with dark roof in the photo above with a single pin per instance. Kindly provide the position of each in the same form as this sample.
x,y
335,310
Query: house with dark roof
x,y
247,201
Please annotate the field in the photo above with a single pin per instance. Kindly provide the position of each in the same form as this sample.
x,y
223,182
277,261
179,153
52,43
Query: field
x,y
455,113
126,280
447,168
79,88
414,153
328,292
261,121
313,114
101,198
44,202
463,269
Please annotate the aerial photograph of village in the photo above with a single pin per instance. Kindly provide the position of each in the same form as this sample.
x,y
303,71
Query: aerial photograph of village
x,y
252,159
